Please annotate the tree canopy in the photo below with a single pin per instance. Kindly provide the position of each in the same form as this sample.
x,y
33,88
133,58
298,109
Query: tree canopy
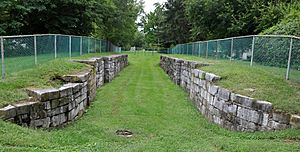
x,y
109,19
180,21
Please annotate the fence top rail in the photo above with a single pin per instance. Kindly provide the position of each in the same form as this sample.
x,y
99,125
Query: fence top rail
x,y
20,36
246,36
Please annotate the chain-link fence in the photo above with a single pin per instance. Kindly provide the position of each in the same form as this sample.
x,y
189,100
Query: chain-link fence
x,y
26,51
281,52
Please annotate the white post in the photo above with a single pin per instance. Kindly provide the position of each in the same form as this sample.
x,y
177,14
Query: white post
x,y
199,49
80,45
217,49
88,44
95,45
287,77
252,51
70,46
231,49
2,58
206,49
35,50
55,46
193,47
100,45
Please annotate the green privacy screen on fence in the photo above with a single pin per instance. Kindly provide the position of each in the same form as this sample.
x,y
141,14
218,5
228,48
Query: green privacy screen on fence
x,y
282,52
26,51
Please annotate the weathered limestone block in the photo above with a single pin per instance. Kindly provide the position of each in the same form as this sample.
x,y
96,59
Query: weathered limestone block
x,y
273,125
58,120
24,107
213,89
295,120
247,114
263,106
40,123
219,103
57,111
230,108
43,95
8,112
247,126
66,90
242,100
211,77
223,94
281,117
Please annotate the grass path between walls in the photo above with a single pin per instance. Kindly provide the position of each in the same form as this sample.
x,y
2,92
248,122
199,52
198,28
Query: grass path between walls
x,y
144,100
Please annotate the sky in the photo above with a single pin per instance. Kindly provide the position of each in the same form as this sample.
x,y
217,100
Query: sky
x,y
149,5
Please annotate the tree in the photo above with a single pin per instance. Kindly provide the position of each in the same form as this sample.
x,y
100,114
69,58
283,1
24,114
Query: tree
x,y
109,19
168,24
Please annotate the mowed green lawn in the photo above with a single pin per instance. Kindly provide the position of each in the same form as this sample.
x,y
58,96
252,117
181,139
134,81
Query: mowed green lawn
x,y
144,100
260,82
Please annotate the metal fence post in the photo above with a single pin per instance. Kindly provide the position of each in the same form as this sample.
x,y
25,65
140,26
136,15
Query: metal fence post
x,y
207,49
80,45
55,47
287,77
217,49
2,58
199,49
35,50
88,44
70,46
95,41
231,49
100,45
252,50
193,48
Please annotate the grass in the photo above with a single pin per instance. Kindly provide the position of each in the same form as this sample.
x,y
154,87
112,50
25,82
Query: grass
x,y
23,73
268,82
144,100
13,87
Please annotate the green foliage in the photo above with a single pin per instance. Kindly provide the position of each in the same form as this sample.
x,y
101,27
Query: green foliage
x,y
139,39
110,19
274,52
179,21
290,23
168,24
152,23
225,18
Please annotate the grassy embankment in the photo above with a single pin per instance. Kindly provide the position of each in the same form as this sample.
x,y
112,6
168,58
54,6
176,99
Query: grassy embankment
x,y
260,82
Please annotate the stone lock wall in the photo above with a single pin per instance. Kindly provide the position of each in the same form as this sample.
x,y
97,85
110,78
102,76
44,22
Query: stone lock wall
x,y
113,65
221,106
50,108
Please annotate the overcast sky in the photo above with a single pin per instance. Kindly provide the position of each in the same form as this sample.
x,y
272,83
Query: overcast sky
x,y
149,4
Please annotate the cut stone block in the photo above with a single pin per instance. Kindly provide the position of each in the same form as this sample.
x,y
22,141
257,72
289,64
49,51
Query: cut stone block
x,y
8,112
212,77
263,106
213,89
295,120
281,117
242,100
43,94
223,94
